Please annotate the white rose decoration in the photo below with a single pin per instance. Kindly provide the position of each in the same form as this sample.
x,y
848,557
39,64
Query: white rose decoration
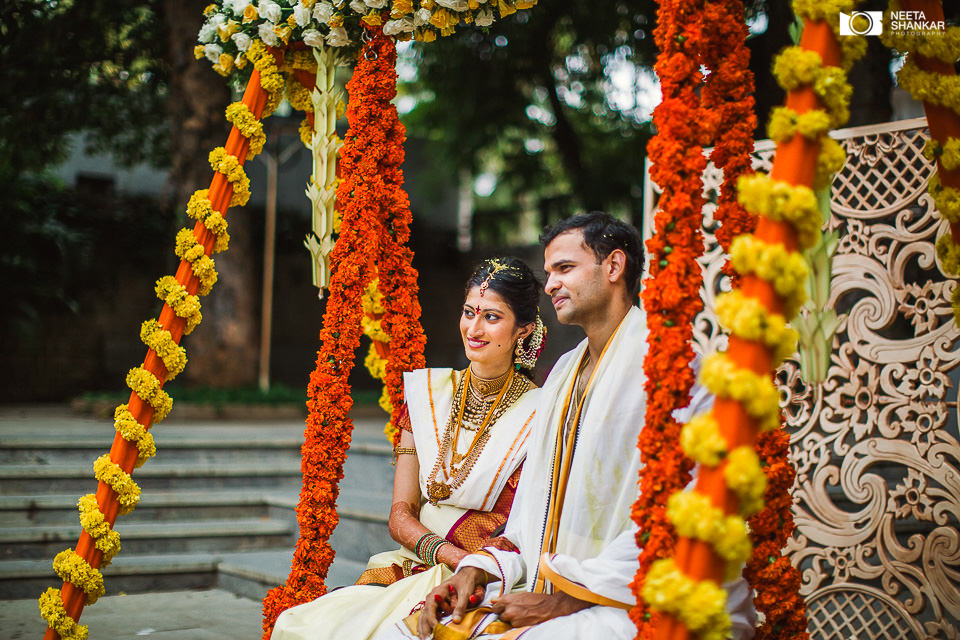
x,y
218,19
375,4
267,35
484,18
455,5
338,37
242,40
237,6
270,10
213,51
322,12
421,17
301,14
313,38
358,7
207,33
394,27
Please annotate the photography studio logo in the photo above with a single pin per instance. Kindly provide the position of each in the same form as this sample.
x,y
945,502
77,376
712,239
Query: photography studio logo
x,y
861,23
915,23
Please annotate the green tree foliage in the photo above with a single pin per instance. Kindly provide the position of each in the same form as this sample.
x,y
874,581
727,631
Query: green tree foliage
x,y
95,65
530,100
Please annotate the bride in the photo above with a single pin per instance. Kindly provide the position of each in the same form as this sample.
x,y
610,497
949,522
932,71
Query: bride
x,y
463,440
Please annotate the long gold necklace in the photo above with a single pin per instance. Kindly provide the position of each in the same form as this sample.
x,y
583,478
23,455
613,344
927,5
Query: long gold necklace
x,y
461,465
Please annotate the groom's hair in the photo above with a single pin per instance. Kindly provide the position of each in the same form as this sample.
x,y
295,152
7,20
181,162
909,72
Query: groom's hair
x,y
603,233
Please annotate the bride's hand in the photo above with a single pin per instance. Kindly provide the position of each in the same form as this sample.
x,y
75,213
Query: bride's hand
x,y
451,555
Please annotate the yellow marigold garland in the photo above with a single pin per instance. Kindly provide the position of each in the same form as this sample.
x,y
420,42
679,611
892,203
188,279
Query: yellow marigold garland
x,y
785,122
781,201
943,91
694,516
270,78
229,166
830,160
200,208
184,304
948,153
132,431
71,567
947,199
948,253
187,248
161,341
372,303
95,523
756,393
702,441
746,479
147,386
700,605
243,119
55,615
785,270
110,473
749,319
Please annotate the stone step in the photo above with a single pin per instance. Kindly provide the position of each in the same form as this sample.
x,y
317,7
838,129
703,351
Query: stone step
x,y
252,574
19,543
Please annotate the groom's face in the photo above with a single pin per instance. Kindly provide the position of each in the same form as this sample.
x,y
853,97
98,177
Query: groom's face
x,y
575,281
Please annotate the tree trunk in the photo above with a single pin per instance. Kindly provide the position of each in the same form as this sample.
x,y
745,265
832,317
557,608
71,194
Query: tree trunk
x,y
223,349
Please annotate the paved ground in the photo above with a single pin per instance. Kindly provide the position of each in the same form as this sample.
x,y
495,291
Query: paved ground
x,y
180,615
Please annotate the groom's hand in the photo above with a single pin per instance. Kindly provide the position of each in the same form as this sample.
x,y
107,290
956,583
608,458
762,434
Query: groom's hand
x,y
527,609
464,588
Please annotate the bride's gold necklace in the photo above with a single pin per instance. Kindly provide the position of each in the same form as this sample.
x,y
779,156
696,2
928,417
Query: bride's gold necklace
x,y
470,401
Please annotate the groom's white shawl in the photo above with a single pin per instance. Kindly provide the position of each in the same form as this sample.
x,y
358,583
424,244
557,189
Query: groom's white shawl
x,y
595,546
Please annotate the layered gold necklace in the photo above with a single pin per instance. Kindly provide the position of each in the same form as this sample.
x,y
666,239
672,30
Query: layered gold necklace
x,y
477,404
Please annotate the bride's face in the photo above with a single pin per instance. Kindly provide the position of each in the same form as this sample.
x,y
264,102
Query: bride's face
x,y
489,330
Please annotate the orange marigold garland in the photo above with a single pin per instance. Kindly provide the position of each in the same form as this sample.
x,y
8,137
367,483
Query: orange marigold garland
x,y
728,111
397,277
366,199
671,294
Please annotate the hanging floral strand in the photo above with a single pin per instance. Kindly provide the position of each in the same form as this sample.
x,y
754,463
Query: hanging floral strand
x,y
671,294
364,204
133,445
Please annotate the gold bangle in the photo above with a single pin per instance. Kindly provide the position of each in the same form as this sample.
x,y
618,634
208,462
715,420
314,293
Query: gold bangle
x,y
399,451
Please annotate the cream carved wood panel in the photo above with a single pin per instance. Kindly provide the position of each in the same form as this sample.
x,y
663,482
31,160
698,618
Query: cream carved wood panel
x,y
877,496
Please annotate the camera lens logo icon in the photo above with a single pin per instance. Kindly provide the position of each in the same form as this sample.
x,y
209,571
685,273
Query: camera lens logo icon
x,y
861,23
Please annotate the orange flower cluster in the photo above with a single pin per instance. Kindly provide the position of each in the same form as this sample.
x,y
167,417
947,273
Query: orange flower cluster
x,y
671,294
775,579
728,112
375,226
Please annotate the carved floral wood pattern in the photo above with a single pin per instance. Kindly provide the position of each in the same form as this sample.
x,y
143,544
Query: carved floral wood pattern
x,y
877,495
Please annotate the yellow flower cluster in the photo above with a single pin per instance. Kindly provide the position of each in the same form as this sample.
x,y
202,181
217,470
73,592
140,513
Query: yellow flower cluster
x,y
229,166
184,304
831,158
270,78
132,431
247,124
947,199
71,567
759,397
702,441
297,95
376,365
148,387
948,153
159,339
785,270
795,67
372,303
110,473
782,201
200,208
95,523
785,122
948,253
187,248
748,318
955,301
745,478
373,329
927,86
700,605
55,615
834,91
694,516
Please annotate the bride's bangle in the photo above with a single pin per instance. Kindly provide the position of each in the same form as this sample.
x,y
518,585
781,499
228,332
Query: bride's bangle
x,y
426,548
435,552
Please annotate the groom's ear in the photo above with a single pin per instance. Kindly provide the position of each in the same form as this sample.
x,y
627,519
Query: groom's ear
x,y
615,265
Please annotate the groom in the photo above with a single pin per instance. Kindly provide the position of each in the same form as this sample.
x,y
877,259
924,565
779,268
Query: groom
x,y
570,554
